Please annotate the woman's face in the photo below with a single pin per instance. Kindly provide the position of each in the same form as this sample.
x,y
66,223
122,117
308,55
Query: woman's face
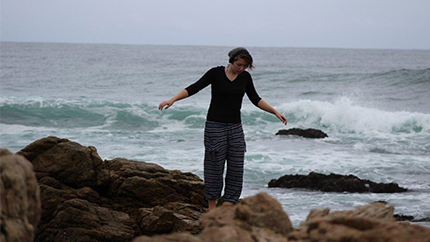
x,y
239,65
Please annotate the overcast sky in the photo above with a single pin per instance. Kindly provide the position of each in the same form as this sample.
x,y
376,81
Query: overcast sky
x,y
382,24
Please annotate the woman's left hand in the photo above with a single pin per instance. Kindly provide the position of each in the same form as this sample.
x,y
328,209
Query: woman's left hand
x,y
282,118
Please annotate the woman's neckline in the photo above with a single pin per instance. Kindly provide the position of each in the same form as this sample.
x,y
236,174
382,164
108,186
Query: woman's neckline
x,y
226,76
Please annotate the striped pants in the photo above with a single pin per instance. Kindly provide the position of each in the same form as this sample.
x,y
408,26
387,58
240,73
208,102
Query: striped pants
x,y
224,141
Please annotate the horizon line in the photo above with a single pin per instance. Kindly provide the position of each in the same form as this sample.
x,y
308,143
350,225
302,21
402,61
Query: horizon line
x,y
202,45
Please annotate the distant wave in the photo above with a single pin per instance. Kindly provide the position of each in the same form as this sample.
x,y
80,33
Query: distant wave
x,y
60,113
341,116
344,116
404,76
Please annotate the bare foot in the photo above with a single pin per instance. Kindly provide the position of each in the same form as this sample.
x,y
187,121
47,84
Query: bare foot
x,y
212,205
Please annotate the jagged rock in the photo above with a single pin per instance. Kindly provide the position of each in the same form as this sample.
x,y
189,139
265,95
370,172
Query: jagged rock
x,y
380,211
257,218
334,183
80,220
307,133
87,199
373,222
171,217
20,199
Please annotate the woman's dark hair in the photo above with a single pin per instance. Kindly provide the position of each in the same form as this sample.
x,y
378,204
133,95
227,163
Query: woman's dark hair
x,y
241,52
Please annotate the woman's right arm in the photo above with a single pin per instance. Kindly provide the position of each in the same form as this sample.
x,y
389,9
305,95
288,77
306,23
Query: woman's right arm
x,y
194,88
166,104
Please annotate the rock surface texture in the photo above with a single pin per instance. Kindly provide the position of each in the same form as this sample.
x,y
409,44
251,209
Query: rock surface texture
x,y
20,199
257,218
373,222
87,199
307,133
334,183
261,218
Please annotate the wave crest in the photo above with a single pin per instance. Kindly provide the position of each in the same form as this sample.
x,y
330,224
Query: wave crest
x,y
344,116
341,116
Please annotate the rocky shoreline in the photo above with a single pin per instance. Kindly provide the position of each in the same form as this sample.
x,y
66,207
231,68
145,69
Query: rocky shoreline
x,y
58,190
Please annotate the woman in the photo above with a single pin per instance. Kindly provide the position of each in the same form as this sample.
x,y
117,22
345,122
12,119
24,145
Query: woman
x,y
224,138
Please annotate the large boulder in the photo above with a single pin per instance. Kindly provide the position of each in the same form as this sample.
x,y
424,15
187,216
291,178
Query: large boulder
x,y
307,133
20,199
256,218
261,218
334,183
373,222
85,198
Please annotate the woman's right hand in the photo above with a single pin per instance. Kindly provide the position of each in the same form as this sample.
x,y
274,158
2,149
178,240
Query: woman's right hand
x,y
166,104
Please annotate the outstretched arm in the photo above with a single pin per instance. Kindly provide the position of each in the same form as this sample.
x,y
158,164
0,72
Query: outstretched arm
x,y
266,107
166,104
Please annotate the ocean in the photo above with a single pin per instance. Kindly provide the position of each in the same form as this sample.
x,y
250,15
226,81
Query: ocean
x,y
373,104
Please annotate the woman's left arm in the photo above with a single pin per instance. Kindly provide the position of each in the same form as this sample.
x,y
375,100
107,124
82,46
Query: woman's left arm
x,y
266,107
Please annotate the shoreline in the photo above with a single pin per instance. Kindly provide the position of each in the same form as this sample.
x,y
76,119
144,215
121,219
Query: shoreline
x,y
120,199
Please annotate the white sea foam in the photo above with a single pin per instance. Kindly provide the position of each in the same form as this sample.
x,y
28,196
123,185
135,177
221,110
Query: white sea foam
x,y
344,116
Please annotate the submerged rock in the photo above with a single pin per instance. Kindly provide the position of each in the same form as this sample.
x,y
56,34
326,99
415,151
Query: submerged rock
x,y
334,183
20,200
307,133
87,199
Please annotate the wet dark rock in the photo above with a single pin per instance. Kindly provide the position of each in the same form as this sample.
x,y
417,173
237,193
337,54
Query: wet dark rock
x,y
87,199
307,133
402,217
427,219
334,183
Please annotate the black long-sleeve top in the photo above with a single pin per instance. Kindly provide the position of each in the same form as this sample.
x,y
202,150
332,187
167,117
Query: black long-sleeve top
x,y
227,95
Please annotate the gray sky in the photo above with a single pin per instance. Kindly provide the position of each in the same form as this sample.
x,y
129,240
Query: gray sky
x,y
382,24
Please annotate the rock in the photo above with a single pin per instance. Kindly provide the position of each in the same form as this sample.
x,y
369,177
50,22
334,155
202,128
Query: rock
x,y
20,199
256,218
261,218
177,237
402,217
87,199
307,133
80,220
334,183
426,219
380,211
373,222
171,217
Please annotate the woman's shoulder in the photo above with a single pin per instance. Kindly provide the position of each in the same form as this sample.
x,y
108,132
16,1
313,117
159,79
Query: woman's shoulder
x,y
246,74
218,68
